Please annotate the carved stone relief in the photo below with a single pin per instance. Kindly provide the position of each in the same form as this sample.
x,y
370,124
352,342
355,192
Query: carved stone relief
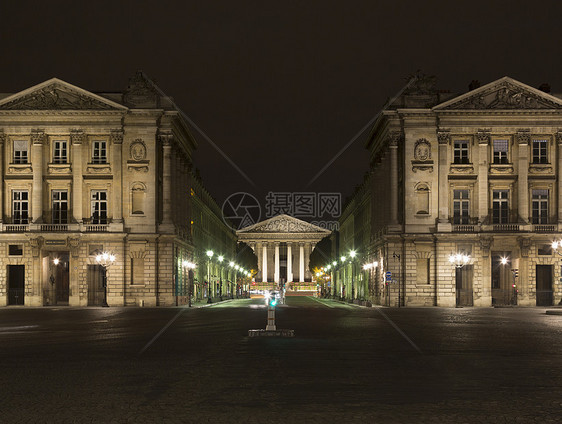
x,y
137,150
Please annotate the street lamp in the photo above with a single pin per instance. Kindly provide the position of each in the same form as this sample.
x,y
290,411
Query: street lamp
x,y
189,266
460,259
105,260
209,256
352,255
396,256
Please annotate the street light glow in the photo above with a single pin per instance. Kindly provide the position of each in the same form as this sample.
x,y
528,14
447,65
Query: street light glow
x,y
221,258
56,261
343,258
504,261
231,264
352,253
210,253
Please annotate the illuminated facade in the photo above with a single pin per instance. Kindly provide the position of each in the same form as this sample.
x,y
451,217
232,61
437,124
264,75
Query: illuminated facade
x,y
478,175
83,173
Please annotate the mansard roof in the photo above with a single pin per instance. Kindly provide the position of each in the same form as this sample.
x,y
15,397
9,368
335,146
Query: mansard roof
x,y
55,94
502,94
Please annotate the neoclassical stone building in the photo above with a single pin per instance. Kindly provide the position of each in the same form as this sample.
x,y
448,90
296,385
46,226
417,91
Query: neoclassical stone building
x,y
477,174
283,245
83,173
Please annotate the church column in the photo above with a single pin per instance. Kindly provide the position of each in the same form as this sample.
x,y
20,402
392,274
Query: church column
x,y
301,262
77,138
444,139
523,138
483,141
276,274
37,138
2,144
264,262
118,193
289,263
394,178
307,252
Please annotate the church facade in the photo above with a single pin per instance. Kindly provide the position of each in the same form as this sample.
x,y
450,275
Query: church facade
x,y
283,245
462,204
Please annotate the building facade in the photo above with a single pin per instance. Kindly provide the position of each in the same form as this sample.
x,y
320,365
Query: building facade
x,y
85,173
283,245
462,204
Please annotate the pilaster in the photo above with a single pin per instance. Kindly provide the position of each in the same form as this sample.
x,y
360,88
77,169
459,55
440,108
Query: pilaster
x,y
37,140
76,139
523,139
483,138
118,192
443,224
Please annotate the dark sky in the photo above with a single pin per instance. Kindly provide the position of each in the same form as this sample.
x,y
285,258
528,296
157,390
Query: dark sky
x,y
279,86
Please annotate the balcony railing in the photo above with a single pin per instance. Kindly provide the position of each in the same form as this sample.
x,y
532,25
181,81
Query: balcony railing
x,y
53,228
96,228
464,228
544,228
506,227
15,228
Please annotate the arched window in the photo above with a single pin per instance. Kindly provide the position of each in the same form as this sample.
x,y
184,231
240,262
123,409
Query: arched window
x,y
138,195
422,199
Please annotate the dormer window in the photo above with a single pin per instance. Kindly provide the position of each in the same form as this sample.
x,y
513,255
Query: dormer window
x,y
20,151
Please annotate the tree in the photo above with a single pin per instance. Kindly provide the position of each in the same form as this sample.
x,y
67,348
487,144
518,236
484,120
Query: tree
x,y
321,254
245,257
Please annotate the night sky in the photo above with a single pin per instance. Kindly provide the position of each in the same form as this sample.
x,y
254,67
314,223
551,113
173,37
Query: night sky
x,y
279,86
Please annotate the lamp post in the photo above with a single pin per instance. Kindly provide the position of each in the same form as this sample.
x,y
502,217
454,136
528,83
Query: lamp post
x,y
105,260
352,255
396,256
209,256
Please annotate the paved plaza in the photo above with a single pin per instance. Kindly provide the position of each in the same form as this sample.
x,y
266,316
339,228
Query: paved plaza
x,y
345,364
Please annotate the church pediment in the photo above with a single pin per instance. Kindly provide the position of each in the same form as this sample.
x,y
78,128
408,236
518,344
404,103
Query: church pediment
x,y
505,93
55,94
284,224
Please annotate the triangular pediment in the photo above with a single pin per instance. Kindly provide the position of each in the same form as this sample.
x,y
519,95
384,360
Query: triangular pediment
x,y
284,224
55,94
505,93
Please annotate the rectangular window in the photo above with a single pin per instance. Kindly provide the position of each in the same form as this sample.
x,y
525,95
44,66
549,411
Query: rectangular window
x,y
20,151
460,151
60,206
99,207
500,151
461,204
540,207
99,152
500,207
60,151
540,150
20,207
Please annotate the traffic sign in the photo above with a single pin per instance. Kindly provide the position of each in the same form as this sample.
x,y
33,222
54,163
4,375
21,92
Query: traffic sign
x,y
388,276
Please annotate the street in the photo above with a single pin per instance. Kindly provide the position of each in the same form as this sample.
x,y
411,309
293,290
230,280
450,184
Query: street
x,y
345,363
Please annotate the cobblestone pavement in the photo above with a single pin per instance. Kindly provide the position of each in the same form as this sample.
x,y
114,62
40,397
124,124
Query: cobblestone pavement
x,y
346,364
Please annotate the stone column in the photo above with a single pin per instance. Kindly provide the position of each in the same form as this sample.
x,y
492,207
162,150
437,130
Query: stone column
x,y
483,139
166,140
289,263
37,139
276,274
559,173
523,139
264,262
76,139
307,251
444,140
117,166
394,137
301,262
2,144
